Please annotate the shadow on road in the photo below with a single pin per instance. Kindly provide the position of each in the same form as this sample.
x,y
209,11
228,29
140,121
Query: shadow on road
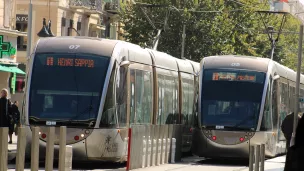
x,y
223,162
97,165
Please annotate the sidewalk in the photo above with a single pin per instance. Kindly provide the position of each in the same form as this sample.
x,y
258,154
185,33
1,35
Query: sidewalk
x,y
12,149
275,164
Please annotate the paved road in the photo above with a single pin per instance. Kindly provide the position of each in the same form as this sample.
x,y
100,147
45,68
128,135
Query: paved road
x,y
190,163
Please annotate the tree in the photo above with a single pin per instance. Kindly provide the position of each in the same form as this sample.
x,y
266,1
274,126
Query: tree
x,y
212,28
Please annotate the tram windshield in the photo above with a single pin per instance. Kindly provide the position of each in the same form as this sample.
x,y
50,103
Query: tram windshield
x,y
66,88
231,99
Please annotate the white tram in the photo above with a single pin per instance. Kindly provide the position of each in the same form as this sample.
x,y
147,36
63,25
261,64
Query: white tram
x,y
99,87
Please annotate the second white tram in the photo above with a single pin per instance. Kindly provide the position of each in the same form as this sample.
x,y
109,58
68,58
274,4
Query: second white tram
x,y
242,101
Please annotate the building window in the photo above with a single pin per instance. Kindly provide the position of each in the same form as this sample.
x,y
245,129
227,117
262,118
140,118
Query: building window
x,y
19,85
20,80
21,25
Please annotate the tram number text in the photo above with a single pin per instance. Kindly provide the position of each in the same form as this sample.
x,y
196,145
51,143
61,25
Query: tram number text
x,y
74,47
235,64
219,127
50,123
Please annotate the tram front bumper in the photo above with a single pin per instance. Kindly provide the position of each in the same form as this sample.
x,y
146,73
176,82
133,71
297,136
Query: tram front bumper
x,y
203,147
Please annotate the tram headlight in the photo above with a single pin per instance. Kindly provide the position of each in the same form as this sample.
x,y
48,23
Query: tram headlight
x,y
82,135
86,131
43,136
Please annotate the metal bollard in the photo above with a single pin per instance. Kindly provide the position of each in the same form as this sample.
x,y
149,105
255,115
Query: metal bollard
x,y
144,152
173,150
68,158
62,148
49,149
149,152
168,150
262,157
21,144
125,151
257,158
35,149
251,158
164,151
154,153
3,148
159,152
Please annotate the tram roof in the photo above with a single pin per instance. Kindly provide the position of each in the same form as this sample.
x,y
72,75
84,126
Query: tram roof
x,y
164,60
184,66
236,61
89,45
137,53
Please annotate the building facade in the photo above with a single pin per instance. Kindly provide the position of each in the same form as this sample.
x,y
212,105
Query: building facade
x,y
9,54
93,18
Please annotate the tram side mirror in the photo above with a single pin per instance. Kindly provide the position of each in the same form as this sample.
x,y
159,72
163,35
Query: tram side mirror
x,y
276,77
125,63
197,74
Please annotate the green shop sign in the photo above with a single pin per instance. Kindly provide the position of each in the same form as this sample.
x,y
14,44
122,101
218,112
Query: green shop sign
x,y
13,83
6,48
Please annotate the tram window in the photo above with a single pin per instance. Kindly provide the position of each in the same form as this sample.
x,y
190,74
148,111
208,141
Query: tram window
x,y
141,97
108,118
121,96
132,96
291,97
301,92
284,101
188,99
284,96
275,104
266,122
168,100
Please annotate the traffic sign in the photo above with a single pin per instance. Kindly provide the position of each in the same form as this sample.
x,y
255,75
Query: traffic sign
x,y
4,46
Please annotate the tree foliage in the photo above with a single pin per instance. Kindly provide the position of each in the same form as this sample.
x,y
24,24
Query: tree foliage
x,y
212,28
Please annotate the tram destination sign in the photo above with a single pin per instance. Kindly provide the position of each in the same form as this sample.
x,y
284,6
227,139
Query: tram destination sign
x,y
70,62
232,76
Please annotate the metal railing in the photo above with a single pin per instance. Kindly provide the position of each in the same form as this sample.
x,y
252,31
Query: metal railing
x,y
153,145
90,4
114,5
257,157
65,152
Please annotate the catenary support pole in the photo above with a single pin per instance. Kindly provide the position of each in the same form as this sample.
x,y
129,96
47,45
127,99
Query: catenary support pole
x,y
296,107
29,31
183,41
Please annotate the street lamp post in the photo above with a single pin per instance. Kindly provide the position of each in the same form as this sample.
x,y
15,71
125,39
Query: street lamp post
x,y
29,31
296,109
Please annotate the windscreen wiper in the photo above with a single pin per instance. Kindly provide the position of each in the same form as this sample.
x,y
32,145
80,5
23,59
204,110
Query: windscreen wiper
x,y
88,109
245,120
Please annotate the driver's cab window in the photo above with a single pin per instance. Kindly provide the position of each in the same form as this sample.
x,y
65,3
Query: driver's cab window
x,y
108,117
266,124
